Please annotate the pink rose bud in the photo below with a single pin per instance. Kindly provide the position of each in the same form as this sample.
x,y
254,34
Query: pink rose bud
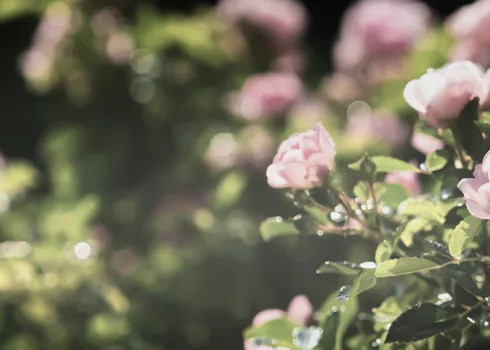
x,y
379,30
472,22
426,143
266,95
408,179
476,190
440,95
267,316
300,309
303,160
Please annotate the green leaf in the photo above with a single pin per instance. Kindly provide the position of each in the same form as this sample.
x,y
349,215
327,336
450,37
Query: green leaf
x,y
348,311
421,322
17,178
366,167
329,305
365,281
386,313
411,228
277,227
463,234
403,266
329,330
383,252
361,190
421,208
363,164
275,332
386,164
436,160
343,267
391,194
317,214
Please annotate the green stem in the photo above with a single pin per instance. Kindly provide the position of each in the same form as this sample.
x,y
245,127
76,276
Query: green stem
x,y
375,203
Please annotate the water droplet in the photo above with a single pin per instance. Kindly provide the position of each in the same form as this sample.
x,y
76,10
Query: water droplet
x,y
344,294
445,297
82,250
386,211
340,208
338,218
368,265
307,338
446,194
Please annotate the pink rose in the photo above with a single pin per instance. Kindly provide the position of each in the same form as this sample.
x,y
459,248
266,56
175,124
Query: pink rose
x,y
266,95
303,160
440,95
408,179
426,143
476,191
379,30
281,20
299,311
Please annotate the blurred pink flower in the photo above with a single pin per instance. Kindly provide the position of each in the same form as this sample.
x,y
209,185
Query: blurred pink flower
x,y
379,30
281,20
256,144
223,152
303,160
299,311
476,190
471,25
265,95
426,143
408,179
341,87
472,22
290,60
105,22
307,112
37,62
119,46
377,126
440,95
